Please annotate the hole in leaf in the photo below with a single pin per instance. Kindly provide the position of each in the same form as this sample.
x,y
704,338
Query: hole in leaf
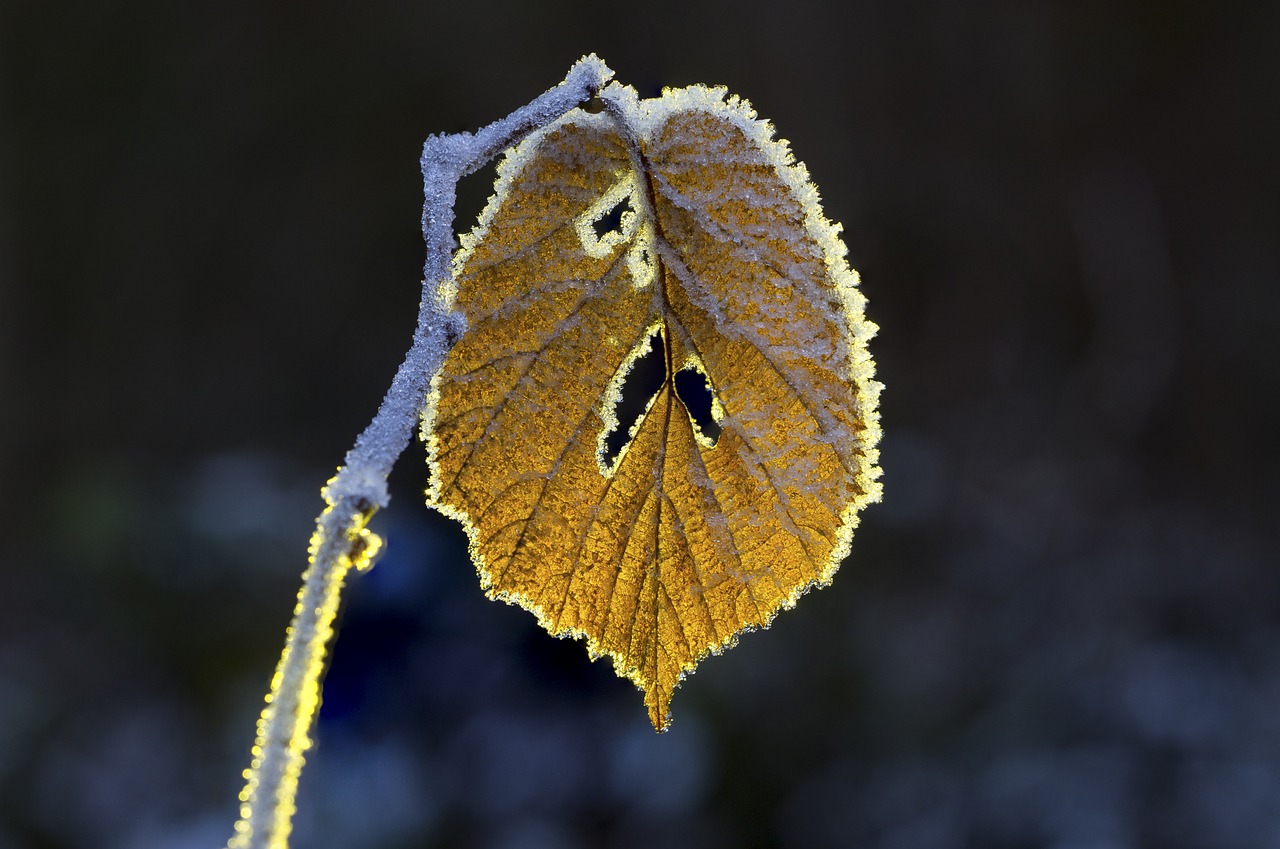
x,y
694,391
611,221
646,377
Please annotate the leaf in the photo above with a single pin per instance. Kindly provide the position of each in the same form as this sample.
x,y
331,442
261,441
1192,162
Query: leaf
x,y
677,220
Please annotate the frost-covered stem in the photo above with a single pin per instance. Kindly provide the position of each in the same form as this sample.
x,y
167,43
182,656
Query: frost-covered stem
x,y
340,541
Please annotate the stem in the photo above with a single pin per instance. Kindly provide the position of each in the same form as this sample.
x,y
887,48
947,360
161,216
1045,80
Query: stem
x,y
267,801
341,541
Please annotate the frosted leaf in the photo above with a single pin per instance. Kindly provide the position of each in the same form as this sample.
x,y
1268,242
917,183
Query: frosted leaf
x,y
669,551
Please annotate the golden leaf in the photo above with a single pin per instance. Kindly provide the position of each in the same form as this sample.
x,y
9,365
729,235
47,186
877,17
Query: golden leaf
x,y
668,551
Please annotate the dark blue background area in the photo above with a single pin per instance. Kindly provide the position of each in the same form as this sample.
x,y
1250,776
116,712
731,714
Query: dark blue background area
x,y
1060,629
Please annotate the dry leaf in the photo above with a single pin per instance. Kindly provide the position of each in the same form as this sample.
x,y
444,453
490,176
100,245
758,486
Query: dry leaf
x,y
678,216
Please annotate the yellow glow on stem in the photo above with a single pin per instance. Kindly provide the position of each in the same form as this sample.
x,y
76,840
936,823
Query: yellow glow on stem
x,y
267,803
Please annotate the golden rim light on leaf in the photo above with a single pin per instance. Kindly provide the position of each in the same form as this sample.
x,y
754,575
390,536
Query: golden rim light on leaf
x,y
680,544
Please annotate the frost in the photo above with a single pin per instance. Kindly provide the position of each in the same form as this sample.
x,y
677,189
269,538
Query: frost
x,y
524,337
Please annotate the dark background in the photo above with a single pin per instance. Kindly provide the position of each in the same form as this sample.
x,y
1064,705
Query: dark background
x,y
1059,629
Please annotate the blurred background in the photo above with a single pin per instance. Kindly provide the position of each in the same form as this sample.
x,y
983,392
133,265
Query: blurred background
x,y
1060,629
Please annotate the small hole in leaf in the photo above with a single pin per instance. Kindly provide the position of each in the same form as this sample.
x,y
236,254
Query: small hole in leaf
x,y
646,377
611,221
694,391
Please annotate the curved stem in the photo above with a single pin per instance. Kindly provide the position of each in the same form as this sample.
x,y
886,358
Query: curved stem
x,y
341,541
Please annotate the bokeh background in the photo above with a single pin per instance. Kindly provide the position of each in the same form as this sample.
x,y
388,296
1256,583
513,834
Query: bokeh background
x,y
1061,629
